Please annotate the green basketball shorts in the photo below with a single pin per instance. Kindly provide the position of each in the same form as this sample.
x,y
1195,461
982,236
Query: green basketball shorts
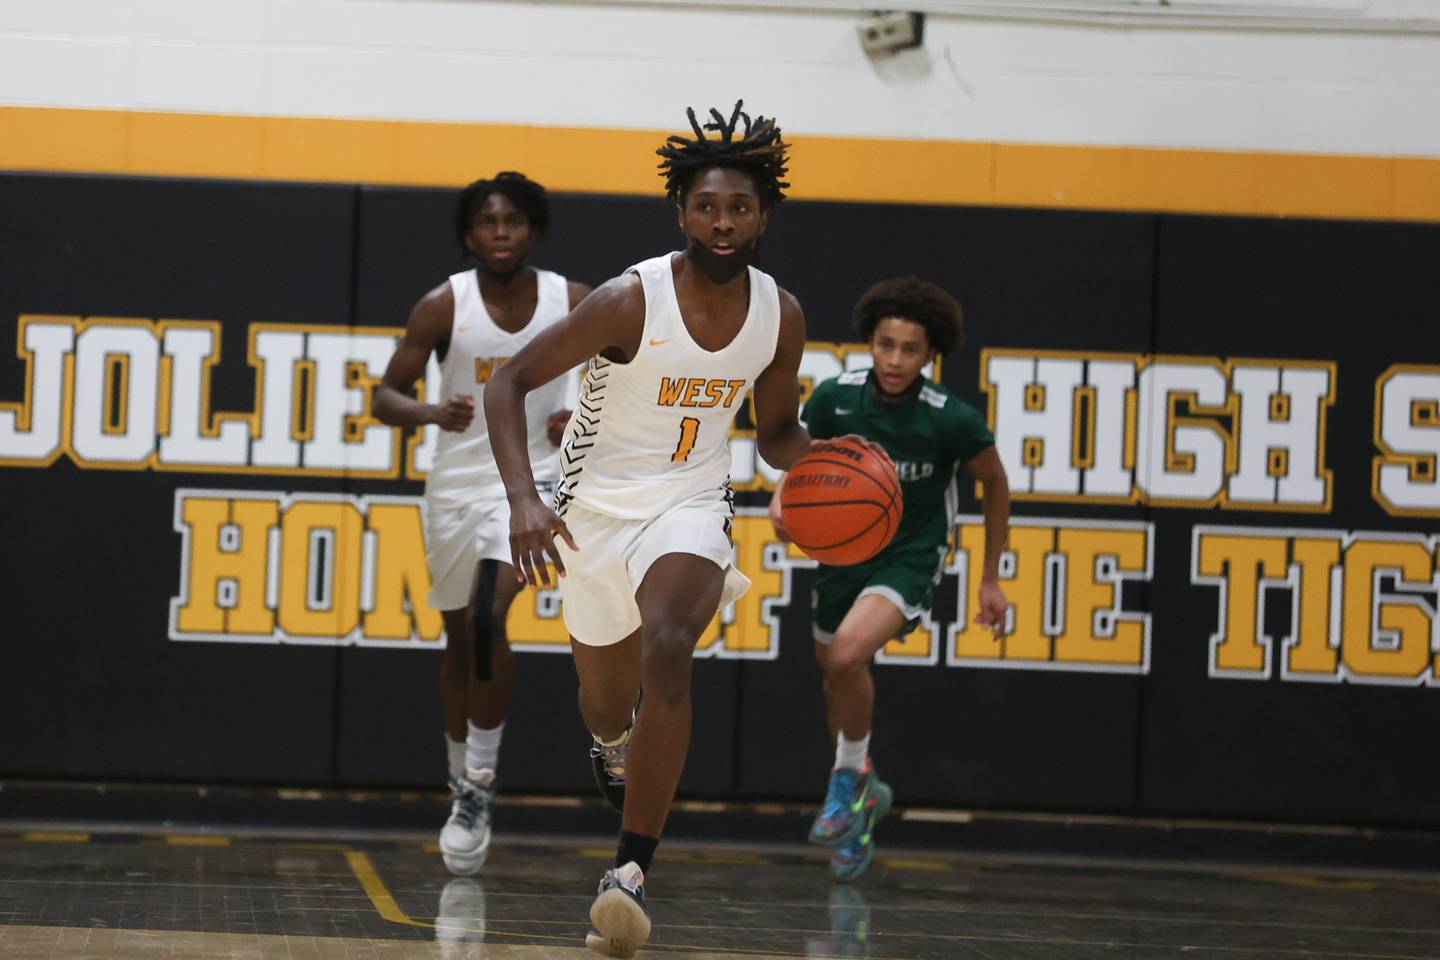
x,y
904,576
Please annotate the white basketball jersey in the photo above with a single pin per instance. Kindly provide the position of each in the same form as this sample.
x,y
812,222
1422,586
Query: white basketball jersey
x,y
464,470
652,433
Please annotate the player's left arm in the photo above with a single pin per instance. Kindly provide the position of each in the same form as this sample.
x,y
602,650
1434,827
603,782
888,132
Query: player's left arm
x,y
779,436
555,423
817,418
986,467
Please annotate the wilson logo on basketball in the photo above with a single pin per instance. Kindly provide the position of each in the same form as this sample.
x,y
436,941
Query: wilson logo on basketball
x,y
840,449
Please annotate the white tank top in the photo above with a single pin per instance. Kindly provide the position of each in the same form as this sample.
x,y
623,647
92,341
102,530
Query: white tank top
x,y
652,433
464,469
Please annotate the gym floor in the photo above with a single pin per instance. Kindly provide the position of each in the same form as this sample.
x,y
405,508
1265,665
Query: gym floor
x,y
104,892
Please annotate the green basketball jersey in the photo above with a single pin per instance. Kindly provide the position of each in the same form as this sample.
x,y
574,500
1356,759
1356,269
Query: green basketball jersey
x,y
929,434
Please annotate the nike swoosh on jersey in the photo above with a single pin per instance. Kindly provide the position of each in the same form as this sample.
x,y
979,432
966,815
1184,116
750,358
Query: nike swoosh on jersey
x,y
841,413
656,343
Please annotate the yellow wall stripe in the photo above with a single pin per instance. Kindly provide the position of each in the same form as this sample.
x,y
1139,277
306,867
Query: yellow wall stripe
x,y
623,161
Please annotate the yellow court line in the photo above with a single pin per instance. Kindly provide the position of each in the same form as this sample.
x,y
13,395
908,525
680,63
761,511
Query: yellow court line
x,y
181,840
42,836
388,909
594,160
596,853
911,863
378,893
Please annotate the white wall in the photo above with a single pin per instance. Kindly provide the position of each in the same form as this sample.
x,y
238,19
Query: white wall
x,y
617,65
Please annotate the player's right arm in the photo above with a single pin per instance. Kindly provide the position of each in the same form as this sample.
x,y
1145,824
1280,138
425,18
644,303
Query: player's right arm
x,y
609,322
556,422
428,331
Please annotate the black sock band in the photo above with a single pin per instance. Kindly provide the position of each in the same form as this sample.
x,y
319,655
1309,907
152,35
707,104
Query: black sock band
x,y
484,609
635,847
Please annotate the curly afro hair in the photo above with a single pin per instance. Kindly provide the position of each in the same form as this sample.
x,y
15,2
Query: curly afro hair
x,y
919,301
527,196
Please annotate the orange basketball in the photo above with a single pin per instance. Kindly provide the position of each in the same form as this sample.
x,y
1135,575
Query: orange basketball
x,y
841,503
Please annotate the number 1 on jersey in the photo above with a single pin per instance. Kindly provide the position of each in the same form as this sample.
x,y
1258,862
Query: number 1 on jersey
x,y
689,430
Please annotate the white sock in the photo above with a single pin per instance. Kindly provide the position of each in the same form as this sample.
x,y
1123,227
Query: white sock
x,y
455,750
482,749
851,754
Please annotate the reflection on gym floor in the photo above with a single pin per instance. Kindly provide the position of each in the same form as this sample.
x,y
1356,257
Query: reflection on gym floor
x,y
65,896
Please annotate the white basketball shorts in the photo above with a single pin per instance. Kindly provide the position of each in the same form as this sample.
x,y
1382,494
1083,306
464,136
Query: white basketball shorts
x,y
598,589
458,537
456,540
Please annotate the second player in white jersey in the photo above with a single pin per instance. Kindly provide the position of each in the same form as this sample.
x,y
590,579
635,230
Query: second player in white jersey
x,y
472,324
464,471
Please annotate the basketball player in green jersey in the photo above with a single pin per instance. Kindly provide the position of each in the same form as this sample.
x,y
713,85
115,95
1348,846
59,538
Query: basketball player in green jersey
x,y
930,433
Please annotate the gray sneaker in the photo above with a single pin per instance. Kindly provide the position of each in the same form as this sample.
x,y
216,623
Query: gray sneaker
x,y
465,841
621,923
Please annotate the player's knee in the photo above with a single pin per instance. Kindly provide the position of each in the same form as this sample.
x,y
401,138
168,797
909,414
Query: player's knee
x,y
846,660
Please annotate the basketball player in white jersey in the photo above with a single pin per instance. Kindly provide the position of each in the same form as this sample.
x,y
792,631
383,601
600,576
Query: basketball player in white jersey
x,y
473,323
644,505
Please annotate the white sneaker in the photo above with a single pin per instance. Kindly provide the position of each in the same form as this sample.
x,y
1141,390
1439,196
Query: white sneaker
x,y
466,838
460,920
621,924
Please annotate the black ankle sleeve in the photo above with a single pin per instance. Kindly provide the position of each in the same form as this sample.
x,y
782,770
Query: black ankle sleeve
x,y
635,847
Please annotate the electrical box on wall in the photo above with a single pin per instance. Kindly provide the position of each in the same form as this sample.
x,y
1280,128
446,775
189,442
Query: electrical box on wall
x,y
887,31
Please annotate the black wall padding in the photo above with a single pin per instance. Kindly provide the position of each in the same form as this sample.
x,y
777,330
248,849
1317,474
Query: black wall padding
x,y
92,687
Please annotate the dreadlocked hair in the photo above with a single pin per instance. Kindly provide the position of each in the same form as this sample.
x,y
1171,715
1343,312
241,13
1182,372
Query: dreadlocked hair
x,y
918,301
757,150
527,196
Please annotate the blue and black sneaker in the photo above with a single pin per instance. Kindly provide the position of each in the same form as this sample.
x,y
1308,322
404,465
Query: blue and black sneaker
x,y
607,761
855,854
842,815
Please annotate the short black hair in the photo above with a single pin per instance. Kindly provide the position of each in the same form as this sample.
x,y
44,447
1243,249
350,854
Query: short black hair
x,y
527,196
919,301
758,151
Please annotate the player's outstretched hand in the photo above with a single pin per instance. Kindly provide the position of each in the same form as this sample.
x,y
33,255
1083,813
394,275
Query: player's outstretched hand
x,y
456,413
777,520
870,445
993,606
555,426
532,542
